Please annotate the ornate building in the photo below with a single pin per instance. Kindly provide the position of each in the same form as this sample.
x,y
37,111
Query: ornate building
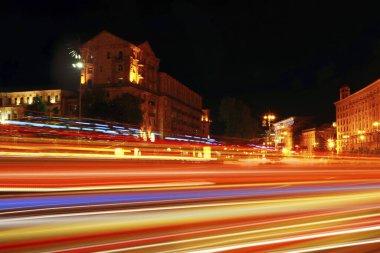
x,y
357,119
13,103
118,66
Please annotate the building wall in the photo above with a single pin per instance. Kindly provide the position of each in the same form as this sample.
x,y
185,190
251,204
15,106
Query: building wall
x,y
183,107
355,117
118,66
309,140
13,103
206,121
284,134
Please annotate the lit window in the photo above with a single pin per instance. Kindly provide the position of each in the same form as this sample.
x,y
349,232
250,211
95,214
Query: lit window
x,y
89,70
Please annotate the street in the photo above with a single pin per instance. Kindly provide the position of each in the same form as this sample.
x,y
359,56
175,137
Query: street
x,y
93,205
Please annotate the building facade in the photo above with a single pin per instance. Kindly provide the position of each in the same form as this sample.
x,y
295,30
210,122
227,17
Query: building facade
x,y
13,103
321,138
118,66
288,132
357,120
283,134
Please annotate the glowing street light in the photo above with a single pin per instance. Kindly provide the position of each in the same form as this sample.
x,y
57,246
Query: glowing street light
x,y
80,65
361,138
376,124
268,118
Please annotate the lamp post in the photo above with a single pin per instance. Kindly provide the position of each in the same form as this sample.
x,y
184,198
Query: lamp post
x,y
268,118
361,137
346,142
80,65
331,145
376,124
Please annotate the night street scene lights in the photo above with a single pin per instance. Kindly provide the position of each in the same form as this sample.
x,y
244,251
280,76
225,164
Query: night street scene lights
x,y
376,125
331,145
267,119
79,65
361,138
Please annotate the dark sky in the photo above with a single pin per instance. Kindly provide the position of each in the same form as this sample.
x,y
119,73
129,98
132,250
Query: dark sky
x,y
289,57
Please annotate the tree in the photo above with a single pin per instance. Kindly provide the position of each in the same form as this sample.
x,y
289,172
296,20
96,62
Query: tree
x,y
37,107
237,119
125,108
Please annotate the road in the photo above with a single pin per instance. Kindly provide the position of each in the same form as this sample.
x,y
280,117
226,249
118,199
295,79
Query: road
x,y
106,205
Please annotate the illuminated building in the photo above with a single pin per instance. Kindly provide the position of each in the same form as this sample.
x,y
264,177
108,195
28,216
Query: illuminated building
x,y
288,132
205,129
118,66
283,131
13,103
357,119
317,139
309,139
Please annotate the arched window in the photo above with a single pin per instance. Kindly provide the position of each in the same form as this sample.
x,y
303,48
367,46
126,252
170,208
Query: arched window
x,y
120,55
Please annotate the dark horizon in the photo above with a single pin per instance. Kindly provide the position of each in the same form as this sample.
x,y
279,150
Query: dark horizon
x,y
287,58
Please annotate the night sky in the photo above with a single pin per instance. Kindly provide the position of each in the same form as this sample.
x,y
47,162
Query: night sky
x,y
286,57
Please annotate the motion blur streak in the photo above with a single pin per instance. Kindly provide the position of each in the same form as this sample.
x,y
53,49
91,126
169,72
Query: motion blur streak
x,y
119,205
333,246
365,229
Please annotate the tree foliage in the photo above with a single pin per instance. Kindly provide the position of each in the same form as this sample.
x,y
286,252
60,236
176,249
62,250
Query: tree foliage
x,y
37,107
125,108
237,119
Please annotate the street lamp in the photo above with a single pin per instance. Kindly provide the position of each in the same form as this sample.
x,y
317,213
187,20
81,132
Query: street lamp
x,y
361,137
331,145
80,65
376,124
268,118
346,142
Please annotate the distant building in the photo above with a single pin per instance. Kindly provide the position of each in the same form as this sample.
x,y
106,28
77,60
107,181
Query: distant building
x,y
288,132
284,134
206,121
118,66
319,139
12,104
357,119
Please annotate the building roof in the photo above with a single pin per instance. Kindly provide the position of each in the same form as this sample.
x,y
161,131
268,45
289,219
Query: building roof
x,y
377,82
145,46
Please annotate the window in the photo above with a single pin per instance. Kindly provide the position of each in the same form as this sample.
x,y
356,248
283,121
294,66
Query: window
x,y
56,98
120,56
101,69
22,101
108,55
89,70
16,101
48,99
120,67
9,101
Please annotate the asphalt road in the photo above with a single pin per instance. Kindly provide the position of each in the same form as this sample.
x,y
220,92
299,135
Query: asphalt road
x,y
106,205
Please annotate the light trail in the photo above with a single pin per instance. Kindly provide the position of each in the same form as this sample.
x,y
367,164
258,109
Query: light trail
x,y
173,198
226,235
